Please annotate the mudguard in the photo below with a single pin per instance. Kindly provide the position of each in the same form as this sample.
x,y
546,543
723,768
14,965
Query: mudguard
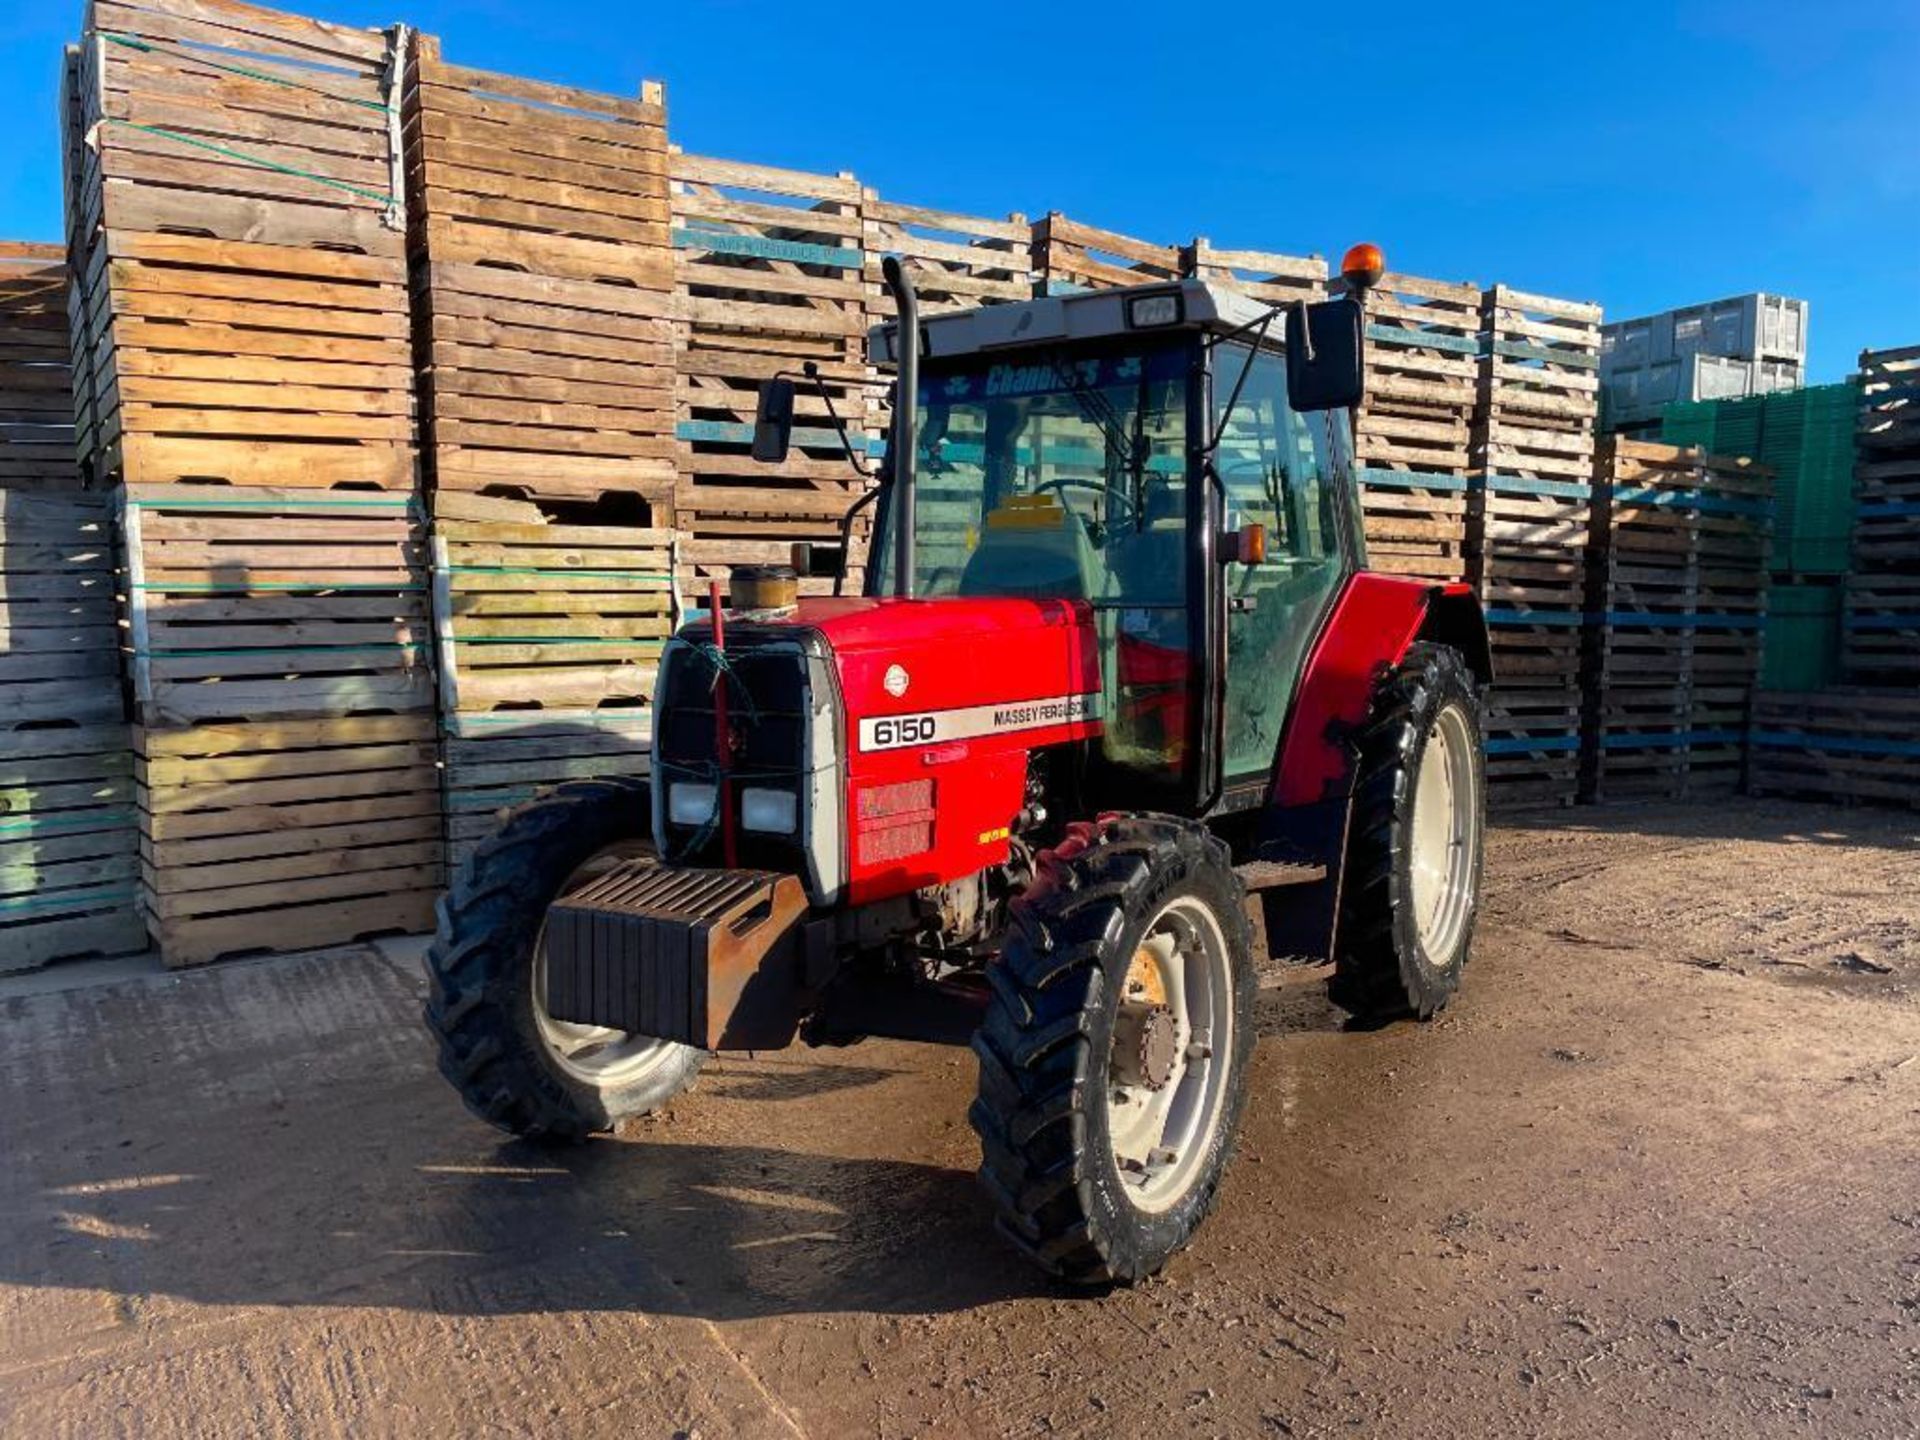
x,y
1309,801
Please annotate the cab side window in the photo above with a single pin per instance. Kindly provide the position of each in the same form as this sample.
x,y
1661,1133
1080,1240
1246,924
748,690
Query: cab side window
x,y
1274,470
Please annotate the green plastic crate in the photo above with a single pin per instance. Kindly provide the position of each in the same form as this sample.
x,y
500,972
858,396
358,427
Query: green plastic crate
x,y
1806,438
1802,638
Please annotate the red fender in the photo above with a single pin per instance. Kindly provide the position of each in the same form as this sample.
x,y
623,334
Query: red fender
x,y
1374,620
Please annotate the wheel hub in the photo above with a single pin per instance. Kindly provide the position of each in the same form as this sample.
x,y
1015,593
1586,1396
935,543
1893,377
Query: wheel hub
x,y
1146,1046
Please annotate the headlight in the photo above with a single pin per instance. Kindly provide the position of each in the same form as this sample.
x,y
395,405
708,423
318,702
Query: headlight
x,y
775,812
690,804
1146,311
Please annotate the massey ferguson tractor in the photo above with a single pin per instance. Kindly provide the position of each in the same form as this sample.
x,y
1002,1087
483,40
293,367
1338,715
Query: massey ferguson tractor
x,y
1119,672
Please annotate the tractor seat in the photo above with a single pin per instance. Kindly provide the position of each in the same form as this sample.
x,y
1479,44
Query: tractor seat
x,y
1032,548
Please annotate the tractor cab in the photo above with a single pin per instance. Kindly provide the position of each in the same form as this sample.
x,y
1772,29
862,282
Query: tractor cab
x,y
1139,452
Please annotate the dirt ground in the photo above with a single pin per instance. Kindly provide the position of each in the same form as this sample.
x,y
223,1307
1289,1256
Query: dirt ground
x,y
1656,1173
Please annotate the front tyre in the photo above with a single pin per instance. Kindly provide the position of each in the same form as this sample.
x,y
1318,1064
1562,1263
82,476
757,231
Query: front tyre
x,y
514,1065
1415,843
1113,1056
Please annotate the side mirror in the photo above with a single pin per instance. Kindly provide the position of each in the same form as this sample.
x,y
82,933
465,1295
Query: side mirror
x,y
1245,546
1326,355
773,421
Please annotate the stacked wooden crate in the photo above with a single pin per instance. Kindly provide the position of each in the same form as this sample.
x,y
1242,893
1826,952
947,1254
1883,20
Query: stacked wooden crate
x,y
550,636
68,836
1265,275
543,303
1852,744
1733,557
1677,591
36,371
1882,596
1069,256
1528,518
770,278
543,285
955,262
236,230
1412,434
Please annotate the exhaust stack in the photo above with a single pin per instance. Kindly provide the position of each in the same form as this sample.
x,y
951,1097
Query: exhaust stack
x,y
901,450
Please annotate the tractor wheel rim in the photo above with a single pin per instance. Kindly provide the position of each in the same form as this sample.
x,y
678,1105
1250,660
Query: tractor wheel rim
x,y
1160,1138
592,1054
1446,820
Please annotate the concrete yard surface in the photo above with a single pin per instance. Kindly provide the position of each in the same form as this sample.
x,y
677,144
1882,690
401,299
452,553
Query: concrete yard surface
x,y
1657,1172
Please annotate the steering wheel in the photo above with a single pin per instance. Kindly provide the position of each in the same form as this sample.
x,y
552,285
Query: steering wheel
x,y
1120,496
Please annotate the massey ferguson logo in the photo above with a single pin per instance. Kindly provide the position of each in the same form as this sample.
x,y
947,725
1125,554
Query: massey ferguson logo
x,y
897,732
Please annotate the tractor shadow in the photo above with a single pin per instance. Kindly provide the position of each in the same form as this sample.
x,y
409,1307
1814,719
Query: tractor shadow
x,y
316,1158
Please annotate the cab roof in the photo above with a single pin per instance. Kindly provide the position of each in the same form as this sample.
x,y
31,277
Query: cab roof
x,y
1082,315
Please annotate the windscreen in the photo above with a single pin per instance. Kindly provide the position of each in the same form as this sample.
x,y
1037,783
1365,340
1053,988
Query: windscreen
x,y
1052,475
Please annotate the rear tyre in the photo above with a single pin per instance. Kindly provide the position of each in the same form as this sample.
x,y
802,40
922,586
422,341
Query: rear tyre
x,y
1414,846
514,1065
1113,1056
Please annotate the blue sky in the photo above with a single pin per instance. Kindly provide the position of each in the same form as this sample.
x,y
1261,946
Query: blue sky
x,y
1640,155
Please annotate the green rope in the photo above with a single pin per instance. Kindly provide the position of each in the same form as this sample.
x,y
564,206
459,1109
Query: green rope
x,y
244,587
631,642
554,570
149,48
283,649
383,196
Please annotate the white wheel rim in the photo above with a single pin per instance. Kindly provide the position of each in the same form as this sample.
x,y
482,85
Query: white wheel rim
x,y
1445,832
1160,1138
605,1059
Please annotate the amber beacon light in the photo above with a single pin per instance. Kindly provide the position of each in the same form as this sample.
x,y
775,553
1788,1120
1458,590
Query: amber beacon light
x,y
1363,266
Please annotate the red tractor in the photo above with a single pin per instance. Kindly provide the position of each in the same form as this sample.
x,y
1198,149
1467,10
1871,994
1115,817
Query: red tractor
x,y
1119,669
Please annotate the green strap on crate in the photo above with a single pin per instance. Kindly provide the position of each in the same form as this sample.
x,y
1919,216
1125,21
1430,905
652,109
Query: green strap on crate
x,y
1424,339
243,587
383,197
28,904
554,570
147,47
631,642
31,825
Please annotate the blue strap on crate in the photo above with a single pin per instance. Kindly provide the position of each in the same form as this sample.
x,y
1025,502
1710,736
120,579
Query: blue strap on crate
x,y
763,247
1834,744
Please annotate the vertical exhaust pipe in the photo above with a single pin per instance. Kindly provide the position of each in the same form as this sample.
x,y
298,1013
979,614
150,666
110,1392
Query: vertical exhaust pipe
x,y
901,449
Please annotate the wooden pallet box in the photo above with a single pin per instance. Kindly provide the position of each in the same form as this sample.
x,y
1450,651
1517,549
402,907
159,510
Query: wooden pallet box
x,y
543,285
1850,745
246,603
496,762
1265,275
37,450
283,835
1069,256
770,277
1539,386
235,234
550,637
68,844
955,261
537,615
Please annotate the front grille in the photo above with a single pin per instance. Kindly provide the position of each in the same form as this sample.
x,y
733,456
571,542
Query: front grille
x,y
767,724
